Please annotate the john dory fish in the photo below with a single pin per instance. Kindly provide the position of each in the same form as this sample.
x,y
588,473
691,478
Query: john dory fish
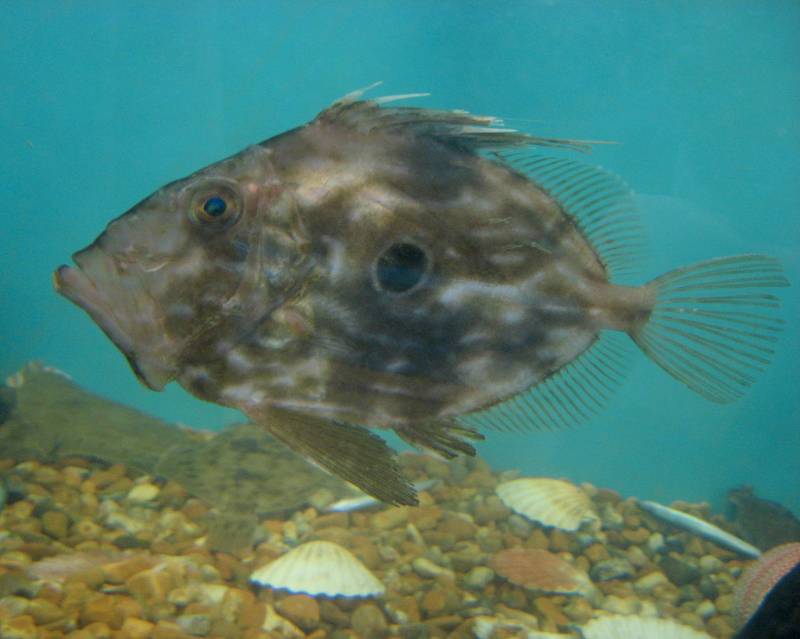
x,y
420,270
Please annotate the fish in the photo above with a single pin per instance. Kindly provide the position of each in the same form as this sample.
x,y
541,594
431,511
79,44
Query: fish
x,y
700,527
429,272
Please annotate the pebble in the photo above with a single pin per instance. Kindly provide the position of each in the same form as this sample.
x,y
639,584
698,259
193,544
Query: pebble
x,y
368,621
301,610
433,559
614,568
143,493
426,568
478,578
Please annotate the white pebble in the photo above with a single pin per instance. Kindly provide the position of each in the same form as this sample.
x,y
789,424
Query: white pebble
x,y
143,492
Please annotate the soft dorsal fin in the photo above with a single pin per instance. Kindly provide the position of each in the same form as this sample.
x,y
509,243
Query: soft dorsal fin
x,y
569,396
474,132
599,202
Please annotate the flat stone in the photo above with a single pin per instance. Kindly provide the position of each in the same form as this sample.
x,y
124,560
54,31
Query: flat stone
x,y
678,570
426,568
55,523
478,578
143,492
301,610
196,625
368,621
613,568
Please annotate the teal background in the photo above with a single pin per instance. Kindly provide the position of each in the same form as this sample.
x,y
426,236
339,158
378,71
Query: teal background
x,y
103,102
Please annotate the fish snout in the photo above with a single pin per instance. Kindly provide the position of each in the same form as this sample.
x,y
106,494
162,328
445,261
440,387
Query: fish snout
x,y
122,310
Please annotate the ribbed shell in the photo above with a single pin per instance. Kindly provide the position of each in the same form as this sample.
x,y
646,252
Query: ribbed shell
x,y
761,577
319,568
550,502
634,627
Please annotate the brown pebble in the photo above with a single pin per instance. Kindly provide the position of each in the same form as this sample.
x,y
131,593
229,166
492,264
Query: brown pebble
x,y
596,552
537,539
44,612
553,617
636,535
368,621
133,628
55,524
559,541
101,608
117,572
433,603
301,610
19,628
150,585
390,518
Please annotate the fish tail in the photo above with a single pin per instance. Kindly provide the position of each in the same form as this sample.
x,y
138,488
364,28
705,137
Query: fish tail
x,y
714,324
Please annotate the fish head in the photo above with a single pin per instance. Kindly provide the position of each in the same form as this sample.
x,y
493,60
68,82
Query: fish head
x,y
192,267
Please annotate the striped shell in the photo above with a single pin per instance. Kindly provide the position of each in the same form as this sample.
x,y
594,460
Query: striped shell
x,y
550,502
634,627
319,568
756,582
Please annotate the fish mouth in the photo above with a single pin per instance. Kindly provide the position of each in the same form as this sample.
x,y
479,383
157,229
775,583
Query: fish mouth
x,y
94,285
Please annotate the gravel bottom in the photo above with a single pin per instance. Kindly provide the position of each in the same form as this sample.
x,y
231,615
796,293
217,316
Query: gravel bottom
x,y
95,552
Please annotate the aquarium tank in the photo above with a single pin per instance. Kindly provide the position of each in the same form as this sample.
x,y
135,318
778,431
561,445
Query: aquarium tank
x,y
370,320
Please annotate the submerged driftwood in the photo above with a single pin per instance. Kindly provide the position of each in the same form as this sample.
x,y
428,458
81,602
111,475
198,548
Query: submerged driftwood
x,y
242,472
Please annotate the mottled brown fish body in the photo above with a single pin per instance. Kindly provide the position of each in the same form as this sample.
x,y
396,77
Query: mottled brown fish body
x,y
408,269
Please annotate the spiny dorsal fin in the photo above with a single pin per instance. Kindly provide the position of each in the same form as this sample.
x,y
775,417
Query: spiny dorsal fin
x,y
601,204
569,396
474,132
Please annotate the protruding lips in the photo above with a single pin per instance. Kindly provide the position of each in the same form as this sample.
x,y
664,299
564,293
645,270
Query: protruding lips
x,y
93,295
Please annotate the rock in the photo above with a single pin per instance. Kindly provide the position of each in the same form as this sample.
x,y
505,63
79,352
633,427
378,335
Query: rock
x,y
433,603
118,572
143,493
706,609
622,605
614,568
19,628
44,612
519,526
709,564
198,625
403,610
596,553
478,578
553,617
280,626
646,584
655,543
390,518
426,568
133,628
679,570
368,621
55,523
301,610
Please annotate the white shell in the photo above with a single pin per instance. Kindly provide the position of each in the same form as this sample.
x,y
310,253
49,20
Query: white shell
x,y
551,502
634,627
319,568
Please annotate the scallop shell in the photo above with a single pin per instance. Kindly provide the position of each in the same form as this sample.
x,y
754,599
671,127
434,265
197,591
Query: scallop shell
x,y
550,502
634,627
319,568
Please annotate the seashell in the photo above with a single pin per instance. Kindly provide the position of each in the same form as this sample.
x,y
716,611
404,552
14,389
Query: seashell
x,y
761,577
541,571
319,568
550,502
635,627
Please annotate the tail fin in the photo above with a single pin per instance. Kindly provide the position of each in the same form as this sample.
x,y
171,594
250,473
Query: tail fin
x,y
714,325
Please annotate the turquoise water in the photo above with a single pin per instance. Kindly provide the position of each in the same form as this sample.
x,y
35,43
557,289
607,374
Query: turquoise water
x,y
103,102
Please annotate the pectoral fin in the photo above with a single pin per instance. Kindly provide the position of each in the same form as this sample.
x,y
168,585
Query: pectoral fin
x,y
350,452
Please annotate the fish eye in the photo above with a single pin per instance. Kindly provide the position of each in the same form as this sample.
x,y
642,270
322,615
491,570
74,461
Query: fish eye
x,y
400,267
217,208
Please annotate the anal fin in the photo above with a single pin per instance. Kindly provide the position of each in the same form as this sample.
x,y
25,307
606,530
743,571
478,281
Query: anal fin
x,y
444,437
350,452
571,395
